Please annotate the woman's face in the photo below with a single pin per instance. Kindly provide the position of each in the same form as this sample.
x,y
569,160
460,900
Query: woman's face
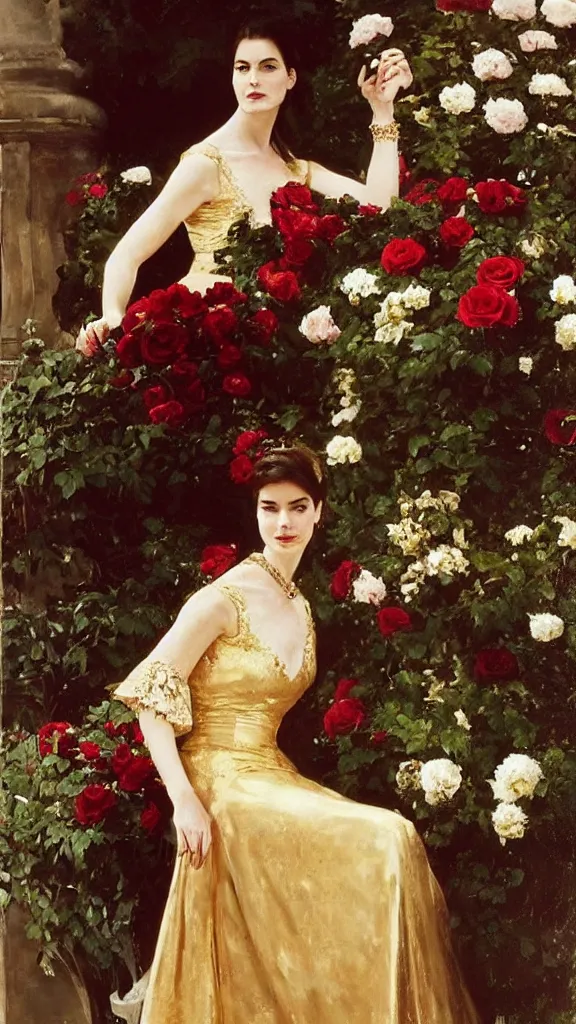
x,y
261,78
286,517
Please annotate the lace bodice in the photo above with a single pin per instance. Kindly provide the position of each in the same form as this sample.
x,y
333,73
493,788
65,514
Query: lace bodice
x,y
208,226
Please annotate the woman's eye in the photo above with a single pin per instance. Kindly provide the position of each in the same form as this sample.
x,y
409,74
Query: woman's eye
x,y
270,67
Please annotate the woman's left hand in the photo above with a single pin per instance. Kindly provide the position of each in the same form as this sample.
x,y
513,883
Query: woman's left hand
x,y
381,88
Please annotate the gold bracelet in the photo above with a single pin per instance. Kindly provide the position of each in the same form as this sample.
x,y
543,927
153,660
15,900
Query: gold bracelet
x,y
385,132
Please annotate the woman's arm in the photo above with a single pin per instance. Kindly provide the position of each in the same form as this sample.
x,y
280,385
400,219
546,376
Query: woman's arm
x,y
157,688
193,182
381,185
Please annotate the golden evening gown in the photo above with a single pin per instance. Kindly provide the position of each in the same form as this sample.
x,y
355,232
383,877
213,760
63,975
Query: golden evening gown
x,y
310,908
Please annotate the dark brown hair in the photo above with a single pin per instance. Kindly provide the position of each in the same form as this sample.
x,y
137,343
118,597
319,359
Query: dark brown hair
x,y
282,36
296,465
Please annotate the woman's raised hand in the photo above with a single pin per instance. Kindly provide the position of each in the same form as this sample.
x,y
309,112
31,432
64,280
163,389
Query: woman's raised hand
x,y
193,829
381,87
93,335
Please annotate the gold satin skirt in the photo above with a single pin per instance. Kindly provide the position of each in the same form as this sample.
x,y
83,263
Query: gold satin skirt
x,y
310,909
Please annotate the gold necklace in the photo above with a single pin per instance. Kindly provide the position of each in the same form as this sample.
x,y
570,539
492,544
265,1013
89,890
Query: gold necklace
x,y
289,588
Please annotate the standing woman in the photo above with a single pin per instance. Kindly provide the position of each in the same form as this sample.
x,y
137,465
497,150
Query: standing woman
x,y
237,168
290,904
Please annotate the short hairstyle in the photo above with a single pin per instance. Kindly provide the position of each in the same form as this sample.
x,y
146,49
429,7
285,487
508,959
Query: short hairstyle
x,y
296,465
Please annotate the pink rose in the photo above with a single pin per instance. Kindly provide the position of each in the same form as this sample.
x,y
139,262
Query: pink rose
x,y
491,65
505,116
535,40
367,28
318,326
514,10
561,13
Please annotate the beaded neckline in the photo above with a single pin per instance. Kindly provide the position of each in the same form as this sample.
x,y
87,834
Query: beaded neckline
x,y
287,586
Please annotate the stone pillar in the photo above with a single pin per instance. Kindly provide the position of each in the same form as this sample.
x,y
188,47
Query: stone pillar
x,y
48,135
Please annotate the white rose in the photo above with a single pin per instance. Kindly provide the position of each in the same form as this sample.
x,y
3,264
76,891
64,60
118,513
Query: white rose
x,y
440,779
533,40
545,627
548,85
516,777
137,175
392,333
445,560
422,116
342,450
518,534
391,310
509,822
567,535
359,283
514,10
346,415
563,290
450,500
561,13
368,589
505,116
491,65
525,364
458,99
408,775
367,28
566,332
461,720
415,296
318,326
535,246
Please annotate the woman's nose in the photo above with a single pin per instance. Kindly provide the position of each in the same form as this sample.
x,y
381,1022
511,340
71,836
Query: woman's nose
x,y
254,76
284,519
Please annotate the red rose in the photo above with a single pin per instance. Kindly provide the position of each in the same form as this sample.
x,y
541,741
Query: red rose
x,y
379,737
74,198
137,734
150,817
93,804
456,231
98,191
160,306
135,315
122,380
294,194
185,303
90,750
343,716
172,413
136,774
330,226
219,324
342,579
184,377
485,305
453,190
241,469
556,430
403,256
424,191
164,344
129,352
495,663
236,384
294,224
296,253
463,5
156,395
116,730
218,558
229,355
391,620
87,179
262,326
369,210
343,688
404,174
280,284
56,738
223,293
503,271
499,197
248,439
121,758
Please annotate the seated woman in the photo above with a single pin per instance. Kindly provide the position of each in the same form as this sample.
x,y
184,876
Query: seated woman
x,y
237,168
289,902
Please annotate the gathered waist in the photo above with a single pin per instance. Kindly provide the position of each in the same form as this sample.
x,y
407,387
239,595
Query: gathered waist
x,y
251,731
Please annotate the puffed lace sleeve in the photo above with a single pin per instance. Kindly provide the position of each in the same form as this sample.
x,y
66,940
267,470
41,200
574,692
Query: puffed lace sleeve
x,y
159,687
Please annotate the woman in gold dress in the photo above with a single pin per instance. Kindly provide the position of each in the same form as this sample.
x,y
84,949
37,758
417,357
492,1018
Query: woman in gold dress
x,y
290,904
237,168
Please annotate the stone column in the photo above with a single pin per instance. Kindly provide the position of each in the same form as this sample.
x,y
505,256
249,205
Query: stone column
x,y
48,135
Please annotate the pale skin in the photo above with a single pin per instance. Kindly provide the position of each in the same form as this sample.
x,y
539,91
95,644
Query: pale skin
x,y
286,517
261,81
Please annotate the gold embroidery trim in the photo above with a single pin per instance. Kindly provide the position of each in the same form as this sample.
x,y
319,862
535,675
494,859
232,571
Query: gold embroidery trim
x,y
158,687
